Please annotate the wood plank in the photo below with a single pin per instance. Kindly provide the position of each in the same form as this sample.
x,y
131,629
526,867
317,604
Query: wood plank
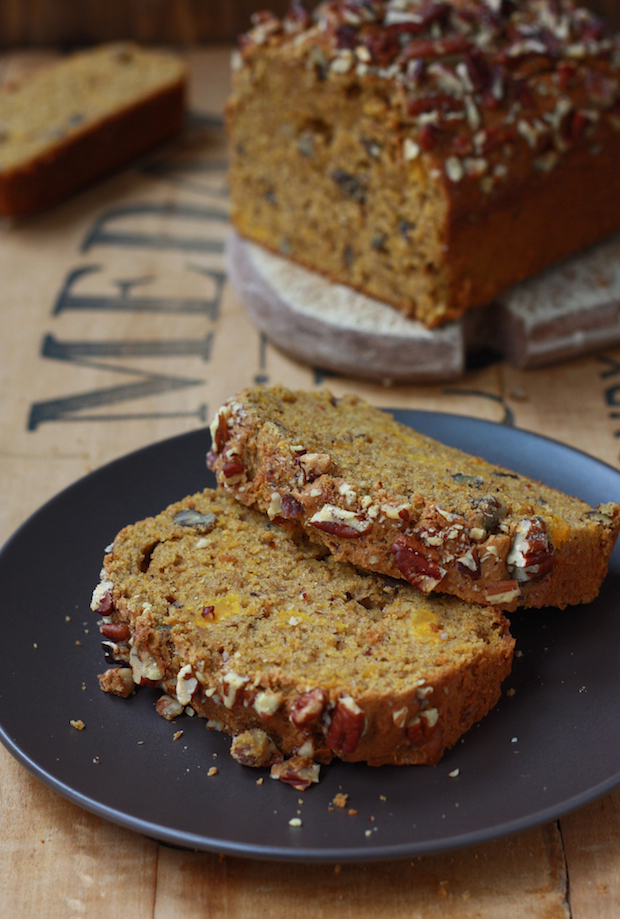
x,y
59,861
68,23
574,402
513,878
591,838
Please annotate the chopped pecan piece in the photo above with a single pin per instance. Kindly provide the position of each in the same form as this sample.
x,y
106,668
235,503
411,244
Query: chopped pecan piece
x,y
337,529
232,468
117,680
298,771
255,748
115,631
420,728
104,607
469,563
346,727
435,47
501,593
290,508
168,707
308,708
532,554
314,464
339,522
490,509
220,432
417,562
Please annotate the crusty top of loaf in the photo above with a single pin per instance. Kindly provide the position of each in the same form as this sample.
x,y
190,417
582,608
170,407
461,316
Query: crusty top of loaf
x,y
482,89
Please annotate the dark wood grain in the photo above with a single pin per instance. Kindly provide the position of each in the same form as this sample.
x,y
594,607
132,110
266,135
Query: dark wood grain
x,y
68,23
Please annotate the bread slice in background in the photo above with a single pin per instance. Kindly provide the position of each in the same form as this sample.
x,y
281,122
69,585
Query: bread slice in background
x,y
66,124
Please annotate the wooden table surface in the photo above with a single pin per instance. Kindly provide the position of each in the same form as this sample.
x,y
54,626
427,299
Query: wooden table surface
x,y
86,377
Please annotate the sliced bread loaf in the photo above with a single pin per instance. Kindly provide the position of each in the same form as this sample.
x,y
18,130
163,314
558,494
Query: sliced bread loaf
x,y
292,652
390,500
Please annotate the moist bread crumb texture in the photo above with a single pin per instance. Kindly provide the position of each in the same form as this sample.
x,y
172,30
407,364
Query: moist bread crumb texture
x,y
299,656
390,500
65,124
427,154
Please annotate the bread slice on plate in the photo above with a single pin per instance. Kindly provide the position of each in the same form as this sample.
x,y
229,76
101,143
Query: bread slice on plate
x,y
387,499
300,657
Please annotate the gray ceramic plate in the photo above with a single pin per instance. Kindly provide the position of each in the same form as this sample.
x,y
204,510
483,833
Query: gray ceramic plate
x,y
551,747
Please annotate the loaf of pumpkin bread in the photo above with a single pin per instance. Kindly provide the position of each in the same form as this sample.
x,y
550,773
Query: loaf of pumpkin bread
x,y
427,153
387,499
300,657
66,124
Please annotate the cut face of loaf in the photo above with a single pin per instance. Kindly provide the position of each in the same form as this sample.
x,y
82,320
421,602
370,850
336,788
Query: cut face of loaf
x,y
68,123
295,654
388,499
427,154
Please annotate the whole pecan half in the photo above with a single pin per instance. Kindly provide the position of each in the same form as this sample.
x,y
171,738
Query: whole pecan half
x,y
346,727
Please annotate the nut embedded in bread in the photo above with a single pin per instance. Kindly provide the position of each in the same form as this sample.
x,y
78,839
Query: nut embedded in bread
x,y
429,154
387,499
297,655
66,124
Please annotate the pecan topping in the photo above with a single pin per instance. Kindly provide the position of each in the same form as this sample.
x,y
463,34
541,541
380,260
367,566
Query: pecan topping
x,y
298,771
532,554
115,631
438,47
502,593
105,604
490,509
420,728
315,464
308,708
220,432
168,707
232,468
336,529
417,562
290,508
339,522
346,727
469,563
117,680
